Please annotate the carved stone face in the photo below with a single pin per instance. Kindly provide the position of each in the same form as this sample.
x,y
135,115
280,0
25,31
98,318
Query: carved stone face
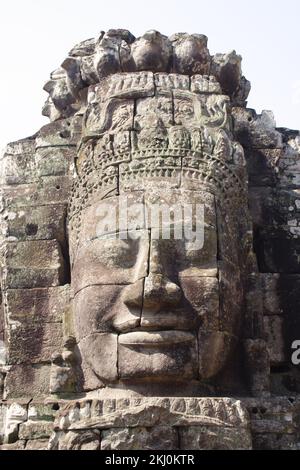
x,y
147,307
151,297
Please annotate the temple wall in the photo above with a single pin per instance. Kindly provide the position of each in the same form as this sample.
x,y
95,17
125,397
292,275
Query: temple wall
x,y
152,424
274,191
35,176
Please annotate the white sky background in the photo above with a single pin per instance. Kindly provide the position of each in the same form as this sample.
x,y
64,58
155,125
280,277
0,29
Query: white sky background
x,y
36,35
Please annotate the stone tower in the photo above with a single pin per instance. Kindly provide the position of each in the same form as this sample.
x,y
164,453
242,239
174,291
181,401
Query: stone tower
x,y
150,258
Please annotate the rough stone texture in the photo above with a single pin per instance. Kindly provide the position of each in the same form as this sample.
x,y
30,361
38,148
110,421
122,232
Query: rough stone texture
x,y
153,424
13,415
164,354
35,305
157,438
37,444
274,333
214,438
38,223
35,430
27,380
151,325
34,343
104,346
19,445
33,264
74,440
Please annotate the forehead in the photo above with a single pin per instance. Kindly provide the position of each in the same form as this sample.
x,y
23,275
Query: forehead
x,y
149,209
119,234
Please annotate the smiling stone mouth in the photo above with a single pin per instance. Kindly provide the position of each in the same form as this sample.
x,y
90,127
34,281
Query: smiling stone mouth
x,y
154,338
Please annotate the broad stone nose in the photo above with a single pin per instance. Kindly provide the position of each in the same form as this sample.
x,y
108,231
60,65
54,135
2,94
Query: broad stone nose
x,y
160,292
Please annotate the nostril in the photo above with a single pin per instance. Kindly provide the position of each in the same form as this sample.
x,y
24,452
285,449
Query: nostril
x,y
160,291
174,292
133,295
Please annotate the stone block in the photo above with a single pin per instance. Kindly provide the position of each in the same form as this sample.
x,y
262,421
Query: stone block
x,y
285,381
190,54
205,84
215,348
277,250
229,289
289,289
115,214
36,223
214,438
289,165
257,362
25,380
199,305
38,306
55,134
256,131
33,264
33,343
37,444
99,351
270,284
170,81
3,410
14,414
227,69
18,169
107,308
35,430
151,411
262,166
19,445
275,441
54,161
22,146
41,411
273,325
281,409
79,440
18,195
48,190
276,425
106,261
162,354
263,205
139,438
2,321
274,206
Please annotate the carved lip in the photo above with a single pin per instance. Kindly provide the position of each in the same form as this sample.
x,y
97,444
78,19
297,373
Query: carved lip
x,y
146,338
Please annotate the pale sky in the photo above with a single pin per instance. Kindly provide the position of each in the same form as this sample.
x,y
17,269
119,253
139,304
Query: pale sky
x,y
36,35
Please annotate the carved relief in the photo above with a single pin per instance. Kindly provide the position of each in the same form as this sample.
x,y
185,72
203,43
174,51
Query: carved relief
x,y
166,295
